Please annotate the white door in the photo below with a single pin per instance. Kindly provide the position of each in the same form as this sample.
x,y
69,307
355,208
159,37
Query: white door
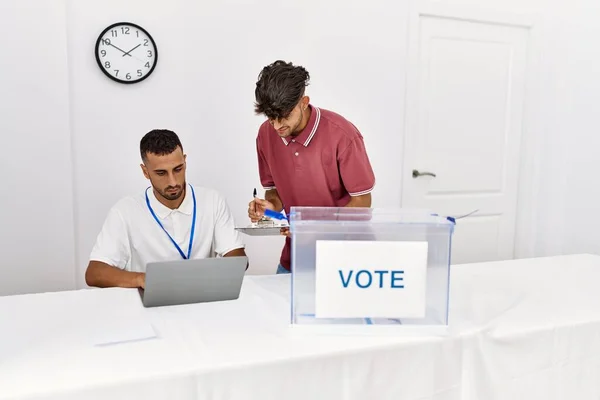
x,y
465,100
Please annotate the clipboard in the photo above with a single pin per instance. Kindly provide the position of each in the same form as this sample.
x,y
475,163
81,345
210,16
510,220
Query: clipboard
x,y
262,230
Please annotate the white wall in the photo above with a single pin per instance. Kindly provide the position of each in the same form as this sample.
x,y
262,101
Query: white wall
x,y
36,204
210,54
203,88
579,129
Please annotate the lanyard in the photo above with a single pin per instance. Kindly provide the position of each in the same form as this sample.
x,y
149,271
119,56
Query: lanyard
x,y
189,253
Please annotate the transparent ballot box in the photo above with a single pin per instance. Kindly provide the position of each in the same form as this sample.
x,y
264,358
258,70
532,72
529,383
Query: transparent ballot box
x,y
369,269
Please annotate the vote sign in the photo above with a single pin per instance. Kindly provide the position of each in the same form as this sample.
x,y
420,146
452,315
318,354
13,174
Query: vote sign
x,y
370,279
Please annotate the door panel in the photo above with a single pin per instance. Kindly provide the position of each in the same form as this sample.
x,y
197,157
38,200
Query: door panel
x,y
464,122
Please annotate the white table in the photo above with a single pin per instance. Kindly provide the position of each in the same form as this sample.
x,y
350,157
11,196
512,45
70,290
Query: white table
x,y
527,329
531,328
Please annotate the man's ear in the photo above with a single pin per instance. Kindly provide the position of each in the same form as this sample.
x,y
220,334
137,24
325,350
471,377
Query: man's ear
x,y
305,100
145,171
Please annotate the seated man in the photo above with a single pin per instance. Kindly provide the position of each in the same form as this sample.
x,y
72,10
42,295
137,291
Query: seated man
x,y
173,220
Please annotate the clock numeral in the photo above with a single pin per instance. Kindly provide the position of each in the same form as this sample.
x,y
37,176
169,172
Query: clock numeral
x,y
128,76
117,72
114,33
103,52
139,72
149,53
107,64
147,65
145,42
106,42
125,30
137,33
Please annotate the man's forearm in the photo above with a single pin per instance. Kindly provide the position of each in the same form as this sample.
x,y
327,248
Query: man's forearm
x,y
272,196
237,253
102,275
360,201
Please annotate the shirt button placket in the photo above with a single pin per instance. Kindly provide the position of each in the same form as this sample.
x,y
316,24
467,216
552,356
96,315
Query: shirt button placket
x,y
296,155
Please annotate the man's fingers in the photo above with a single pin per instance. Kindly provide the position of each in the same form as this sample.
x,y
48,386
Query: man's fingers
x,y
256,209
261,202
252,214
254,217
252,206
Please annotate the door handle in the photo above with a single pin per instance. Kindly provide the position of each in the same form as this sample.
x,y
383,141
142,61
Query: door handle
x,y
417,174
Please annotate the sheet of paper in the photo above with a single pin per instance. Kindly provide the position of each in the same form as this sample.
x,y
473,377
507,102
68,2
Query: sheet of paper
x,y
110,331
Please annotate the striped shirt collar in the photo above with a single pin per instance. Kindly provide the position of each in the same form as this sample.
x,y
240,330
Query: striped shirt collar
x,y
309,130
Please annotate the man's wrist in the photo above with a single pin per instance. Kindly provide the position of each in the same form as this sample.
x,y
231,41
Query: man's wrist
x,y
140,279
277,204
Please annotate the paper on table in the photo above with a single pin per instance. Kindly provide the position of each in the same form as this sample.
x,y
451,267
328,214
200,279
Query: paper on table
x,y
115,330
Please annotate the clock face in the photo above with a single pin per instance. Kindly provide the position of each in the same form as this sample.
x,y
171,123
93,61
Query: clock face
x,y
126,53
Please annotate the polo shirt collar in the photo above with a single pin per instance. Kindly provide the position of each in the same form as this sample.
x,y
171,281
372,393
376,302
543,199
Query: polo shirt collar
x,y
162,211
309,130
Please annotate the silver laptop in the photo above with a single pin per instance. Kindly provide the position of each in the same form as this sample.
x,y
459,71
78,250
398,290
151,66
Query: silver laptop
x,y
193,281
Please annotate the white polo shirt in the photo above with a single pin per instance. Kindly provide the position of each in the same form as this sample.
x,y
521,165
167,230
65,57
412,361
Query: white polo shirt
x,y
131,237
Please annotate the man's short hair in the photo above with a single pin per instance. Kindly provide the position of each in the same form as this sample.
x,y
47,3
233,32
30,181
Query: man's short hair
x,y
160,142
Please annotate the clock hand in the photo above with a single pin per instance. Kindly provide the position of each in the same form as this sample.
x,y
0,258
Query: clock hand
x,y
127,54
122,51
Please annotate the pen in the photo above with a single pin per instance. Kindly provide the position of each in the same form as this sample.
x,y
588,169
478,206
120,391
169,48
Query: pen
x,y
254,196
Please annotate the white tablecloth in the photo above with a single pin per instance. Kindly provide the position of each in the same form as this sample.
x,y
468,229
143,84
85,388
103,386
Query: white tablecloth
x,y
527,329
531,328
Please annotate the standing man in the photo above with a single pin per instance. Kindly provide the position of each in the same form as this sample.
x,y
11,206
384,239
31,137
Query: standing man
x,y
307,156
170,220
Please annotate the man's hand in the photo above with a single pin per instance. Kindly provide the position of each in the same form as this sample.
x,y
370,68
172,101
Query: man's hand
x,y
102,275
257,207
285,232
141,280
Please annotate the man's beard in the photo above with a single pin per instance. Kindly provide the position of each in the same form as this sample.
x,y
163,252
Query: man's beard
x,y
295,132
172,196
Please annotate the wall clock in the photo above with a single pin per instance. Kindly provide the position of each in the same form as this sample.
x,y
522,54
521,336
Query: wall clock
x,y
126,52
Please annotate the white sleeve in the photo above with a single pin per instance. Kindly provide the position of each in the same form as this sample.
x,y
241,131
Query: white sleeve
x,y
112,244
226,237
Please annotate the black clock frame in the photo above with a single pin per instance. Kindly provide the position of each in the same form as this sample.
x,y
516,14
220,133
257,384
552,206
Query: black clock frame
x,y
99,62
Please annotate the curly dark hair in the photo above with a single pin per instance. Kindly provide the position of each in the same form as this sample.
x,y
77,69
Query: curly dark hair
x,y
160,142
279,87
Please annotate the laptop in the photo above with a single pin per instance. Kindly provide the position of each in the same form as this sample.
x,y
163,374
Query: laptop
x,y
203,280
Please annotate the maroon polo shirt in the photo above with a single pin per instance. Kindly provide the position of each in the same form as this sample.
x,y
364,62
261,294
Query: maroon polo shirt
x,y
321,167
